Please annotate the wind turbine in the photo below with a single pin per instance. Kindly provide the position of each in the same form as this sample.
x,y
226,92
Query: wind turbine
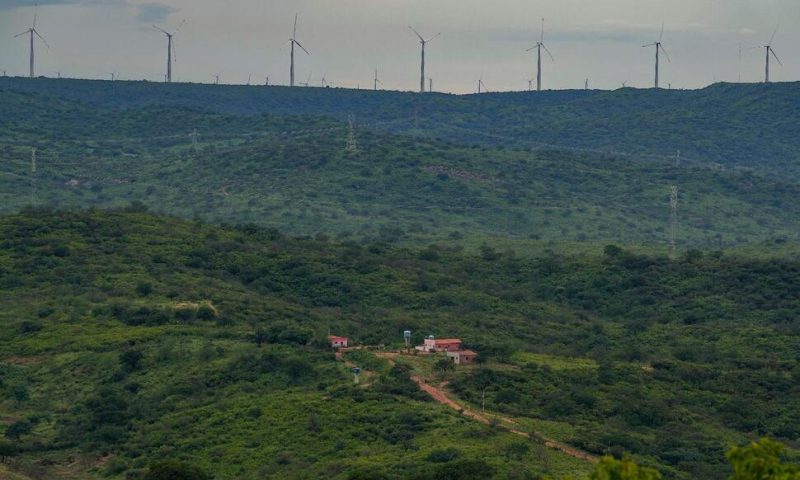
x,y
30,31
770,51
170,49
422,42
659,48
293,41
376,81
216,79
538,47
481,85
324,81
308,80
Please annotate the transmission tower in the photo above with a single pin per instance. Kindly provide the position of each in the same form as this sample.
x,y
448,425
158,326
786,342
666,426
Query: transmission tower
x,y
194,136
673,202
352,144
33,176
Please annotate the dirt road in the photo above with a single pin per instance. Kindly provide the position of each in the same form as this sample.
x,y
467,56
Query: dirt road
x,y
440,395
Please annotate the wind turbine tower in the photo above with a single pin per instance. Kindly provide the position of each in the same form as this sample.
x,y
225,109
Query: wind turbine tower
x,y
538,47
376,81
31,31
423,43
292,42
769,51
171,57
659,48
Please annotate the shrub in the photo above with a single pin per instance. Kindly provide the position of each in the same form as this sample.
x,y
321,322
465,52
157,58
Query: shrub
x,y
173,470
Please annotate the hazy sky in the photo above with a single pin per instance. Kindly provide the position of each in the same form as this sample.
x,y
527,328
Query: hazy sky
x,y
599,39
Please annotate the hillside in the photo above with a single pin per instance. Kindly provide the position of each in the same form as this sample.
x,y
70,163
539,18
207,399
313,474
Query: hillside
x,y
130,338
294,173
735,125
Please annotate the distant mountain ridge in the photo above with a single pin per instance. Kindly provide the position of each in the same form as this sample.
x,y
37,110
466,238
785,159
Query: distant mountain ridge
x,y
742,125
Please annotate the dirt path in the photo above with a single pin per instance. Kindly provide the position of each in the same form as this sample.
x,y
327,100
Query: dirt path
x,y
440,395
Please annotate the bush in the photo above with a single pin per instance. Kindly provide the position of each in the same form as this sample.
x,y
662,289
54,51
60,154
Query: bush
x,y
173,470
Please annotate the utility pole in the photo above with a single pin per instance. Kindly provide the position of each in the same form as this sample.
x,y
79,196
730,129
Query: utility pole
x,y
352,144
673,201
33,176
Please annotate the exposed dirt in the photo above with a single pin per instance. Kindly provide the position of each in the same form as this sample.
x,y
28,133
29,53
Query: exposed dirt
x,y
22,361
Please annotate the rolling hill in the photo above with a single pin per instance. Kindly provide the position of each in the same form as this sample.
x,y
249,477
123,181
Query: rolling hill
x,y
294,173
130,338
735,125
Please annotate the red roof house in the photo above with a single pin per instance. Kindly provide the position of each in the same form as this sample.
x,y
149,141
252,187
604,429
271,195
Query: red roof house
x,y
338,342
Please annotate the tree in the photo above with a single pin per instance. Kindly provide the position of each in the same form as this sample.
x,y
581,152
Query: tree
x,y
761,460
7,450
131,360
610,468
18,429
444,365
174,470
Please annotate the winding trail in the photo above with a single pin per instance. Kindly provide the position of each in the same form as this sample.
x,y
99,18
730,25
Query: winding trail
x,y
441,395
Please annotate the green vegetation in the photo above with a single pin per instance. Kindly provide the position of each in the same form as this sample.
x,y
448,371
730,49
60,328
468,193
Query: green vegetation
x,y
292,173
173,261
133,338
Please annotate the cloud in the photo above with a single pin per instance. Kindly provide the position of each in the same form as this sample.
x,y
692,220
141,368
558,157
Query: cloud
x,y
145,12
9,4
153,12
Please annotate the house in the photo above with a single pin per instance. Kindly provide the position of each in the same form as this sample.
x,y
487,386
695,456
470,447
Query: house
x,y
441,345
463,357
338,342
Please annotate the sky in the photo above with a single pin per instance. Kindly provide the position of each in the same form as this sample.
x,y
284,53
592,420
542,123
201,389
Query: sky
x,y
348,39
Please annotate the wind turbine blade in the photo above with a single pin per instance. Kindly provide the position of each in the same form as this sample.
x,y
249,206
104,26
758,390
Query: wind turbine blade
x,y
23,33
532,48
298,44
41,37
179,26
665,52
776,56
161,30
548,53
35,16
416,32
541,37
433,37
661,35
649,45
294,31
773,35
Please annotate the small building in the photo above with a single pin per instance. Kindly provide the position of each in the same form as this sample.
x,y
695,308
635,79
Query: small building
x,y
338,342
463,357
432,345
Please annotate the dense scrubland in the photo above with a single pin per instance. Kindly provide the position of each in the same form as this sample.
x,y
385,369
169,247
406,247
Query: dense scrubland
x,y
171,270
145,337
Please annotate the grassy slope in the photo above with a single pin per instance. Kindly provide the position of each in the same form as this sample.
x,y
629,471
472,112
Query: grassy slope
x,y
691,339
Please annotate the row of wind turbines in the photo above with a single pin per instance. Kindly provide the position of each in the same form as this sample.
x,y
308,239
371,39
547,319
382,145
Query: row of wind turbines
x,y
293,43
